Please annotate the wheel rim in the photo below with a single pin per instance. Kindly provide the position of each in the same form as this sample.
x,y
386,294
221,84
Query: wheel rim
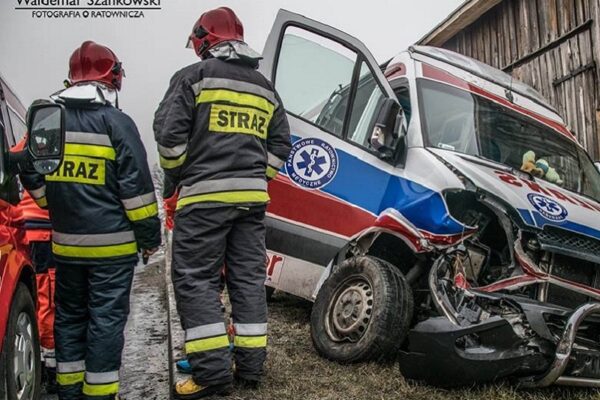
x,y
350,311
24,358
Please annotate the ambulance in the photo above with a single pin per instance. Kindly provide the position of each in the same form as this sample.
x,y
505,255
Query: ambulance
x,y
436,211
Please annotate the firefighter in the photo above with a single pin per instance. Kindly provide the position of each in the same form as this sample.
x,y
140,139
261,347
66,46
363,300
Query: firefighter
x,y
103,210
222,133
38,232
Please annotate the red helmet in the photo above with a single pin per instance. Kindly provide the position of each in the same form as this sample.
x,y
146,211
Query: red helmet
x,y
92,62
214,27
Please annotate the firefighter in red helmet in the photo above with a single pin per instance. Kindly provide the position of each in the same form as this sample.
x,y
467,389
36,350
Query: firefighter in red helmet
x,y
103,211
222,133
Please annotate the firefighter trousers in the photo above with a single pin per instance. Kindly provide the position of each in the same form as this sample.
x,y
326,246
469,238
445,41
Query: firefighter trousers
x,y
203,240
92,305
41,255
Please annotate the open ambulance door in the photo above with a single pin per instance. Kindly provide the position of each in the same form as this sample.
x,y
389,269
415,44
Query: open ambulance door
x,y
338,103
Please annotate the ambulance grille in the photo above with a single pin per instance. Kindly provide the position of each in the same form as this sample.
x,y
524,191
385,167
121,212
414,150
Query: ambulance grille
x,y
571,244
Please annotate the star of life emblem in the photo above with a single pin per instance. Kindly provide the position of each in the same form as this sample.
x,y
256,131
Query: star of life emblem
x,y
312,163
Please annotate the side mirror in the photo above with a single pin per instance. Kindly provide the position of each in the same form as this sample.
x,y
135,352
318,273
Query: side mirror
x,y
386,131
46,127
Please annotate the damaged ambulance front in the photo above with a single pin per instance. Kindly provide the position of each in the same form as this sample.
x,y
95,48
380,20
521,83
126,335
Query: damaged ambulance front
x,y
518,296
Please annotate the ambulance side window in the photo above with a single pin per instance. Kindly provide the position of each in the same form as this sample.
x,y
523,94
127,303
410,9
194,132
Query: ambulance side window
x,y
314,78
366,103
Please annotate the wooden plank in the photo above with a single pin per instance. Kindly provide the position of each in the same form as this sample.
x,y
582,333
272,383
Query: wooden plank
x,y
595,44
532,16
512,23
581,12
489,43
553,26
589,99
469,12
480,44
500,39
542,14
524,29
551,73
567,15
506,33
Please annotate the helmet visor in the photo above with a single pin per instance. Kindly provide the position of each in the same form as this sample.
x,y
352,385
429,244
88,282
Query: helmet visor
x,y
190,44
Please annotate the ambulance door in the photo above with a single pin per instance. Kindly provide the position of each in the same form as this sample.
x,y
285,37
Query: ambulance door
x,y
334,181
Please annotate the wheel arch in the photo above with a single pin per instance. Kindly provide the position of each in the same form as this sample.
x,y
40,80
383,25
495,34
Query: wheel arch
x,y
389,246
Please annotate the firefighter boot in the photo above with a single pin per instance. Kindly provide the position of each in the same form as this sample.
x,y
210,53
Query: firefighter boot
x,y
187,389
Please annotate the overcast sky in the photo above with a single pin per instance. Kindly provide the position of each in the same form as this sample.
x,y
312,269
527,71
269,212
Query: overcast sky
x,y
34,52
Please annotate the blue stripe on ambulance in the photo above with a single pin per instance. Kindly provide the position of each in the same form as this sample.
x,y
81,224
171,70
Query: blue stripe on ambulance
x,y
368,187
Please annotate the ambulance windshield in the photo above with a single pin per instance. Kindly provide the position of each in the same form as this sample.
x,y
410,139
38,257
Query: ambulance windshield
x,y
454,119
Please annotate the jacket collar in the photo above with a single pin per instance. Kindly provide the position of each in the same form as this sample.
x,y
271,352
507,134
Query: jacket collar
x,y
236,51
87,94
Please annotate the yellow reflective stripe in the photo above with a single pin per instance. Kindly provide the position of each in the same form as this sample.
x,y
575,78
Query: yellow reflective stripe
x,y
69,378
79,169
230,96
271,172
42,202
244,196
143,212
236,119
103,389
213,343
114,250
90,150
170,163
251,342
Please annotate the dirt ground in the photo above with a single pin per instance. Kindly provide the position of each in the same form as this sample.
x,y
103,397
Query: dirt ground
x,y
295,371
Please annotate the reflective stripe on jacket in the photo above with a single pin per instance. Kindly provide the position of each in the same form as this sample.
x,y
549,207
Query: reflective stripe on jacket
x,y
222,133
101,199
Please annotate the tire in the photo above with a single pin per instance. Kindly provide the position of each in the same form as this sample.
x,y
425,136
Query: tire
x,y
362,313
23,381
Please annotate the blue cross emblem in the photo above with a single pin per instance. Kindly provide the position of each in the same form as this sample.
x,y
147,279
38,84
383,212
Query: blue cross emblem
x,y
548,206
311,162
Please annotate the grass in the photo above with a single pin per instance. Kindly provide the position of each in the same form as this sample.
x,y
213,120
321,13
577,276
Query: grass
x,y
295,371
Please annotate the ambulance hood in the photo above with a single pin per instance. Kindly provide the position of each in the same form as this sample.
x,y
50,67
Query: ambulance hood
x,y
539,203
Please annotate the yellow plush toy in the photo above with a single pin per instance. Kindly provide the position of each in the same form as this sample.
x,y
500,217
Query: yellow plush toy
x,y
529,164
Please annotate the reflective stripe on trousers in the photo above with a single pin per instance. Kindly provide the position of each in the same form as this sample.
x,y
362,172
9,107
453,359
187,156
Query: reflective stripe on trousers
x,y
232,191
70,373
250,335
206,338
94,245
101,383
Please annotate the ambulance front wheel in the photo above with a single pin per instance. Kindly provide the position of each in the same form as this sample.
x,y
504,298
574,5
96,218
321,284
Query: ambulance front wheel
x,y
362,312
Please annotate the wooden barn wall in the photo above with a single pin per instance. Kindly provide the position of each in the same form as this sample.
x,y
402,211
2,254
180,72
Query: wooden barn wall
x,y
552,45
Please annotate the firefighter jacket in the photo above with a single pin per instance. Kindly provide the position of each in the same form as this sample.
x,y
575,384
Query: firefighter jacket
x,y
101,199
222,132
